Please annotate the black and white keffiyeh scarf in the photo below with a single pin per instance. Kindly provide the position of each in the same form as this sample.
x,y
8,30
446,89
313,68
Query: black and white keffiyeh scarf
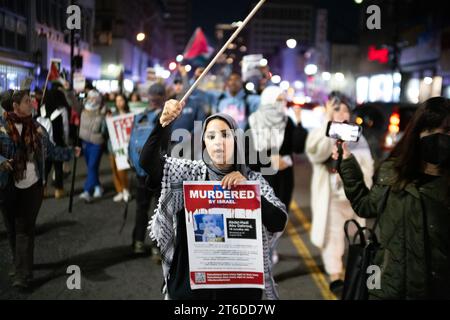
x,y
163,224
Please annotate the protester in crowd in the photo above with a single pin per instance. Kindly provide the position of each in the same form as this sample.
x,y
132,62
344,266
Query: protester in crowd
x,y
330,208
120,177
24,148
143,125
55,108
92,134
220,164
276,137
135,97
193,111
414,222
235,101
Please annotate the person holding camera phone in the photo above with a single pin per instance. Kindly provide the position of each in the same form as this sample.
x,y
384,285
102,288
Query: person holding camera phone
x,y
330,208
414,222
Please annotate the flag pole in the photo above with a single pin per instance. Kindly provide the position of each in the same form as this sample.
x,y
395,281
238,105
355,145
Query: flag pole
x,y
221,51
45,86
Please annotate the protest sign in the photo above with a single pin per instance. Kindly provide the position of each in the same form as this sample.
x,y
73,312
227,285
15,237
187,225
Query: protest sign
x,y
119,129
224,233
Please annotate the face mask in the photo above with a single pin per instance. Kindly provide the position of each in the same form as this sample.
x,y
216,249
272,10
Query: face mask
x,y
435,149
91,106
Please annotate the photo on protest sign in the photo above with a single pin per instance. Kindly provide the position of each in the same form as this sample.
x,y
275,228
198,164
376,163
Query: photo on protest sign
x,y
119,129
224,233
209,228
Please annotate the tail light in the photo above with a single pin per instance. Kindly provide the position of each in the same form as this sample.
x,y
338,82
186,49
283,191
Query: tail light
x,y
392,136
394,123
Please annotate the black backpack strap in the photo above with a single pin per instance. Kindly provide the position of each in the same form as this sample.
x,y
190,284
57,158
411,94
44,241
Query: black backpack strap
x,y
359,232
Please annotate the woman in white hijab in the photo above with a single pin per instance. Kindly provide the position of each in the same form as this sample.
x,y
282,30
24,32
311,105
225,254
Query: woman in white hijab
x,y
275,137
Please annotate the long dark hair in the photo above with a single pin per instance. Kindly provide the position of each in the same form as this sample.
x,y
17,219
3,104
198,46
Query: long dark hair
x,y
431,114
127,107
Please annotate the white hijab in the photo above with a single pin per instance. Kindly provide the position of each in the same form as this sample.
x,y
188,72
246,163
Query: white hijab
x,y
268,123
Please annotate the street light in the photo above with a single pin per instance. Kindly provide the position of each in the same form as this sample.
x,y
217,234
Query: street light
x,y
310,69
140,36
284,85
339,76
326,76
276,79
179,58
291,43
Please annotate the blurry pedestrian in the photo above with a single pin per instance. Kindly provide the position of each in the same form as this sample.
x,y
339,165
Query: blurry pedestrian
x,y
135,97
24,148
143,125
414,225
92,134
120,177
235,101
193,111
55,108
168,224
330,208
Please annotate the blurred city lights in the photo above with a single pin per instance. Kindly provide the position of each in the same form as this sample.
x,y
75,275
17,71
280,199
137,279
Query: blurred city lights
x,y
397,77
179,58
428,80
310,69
187,67
250,86
291,43
140,36
165,74
172,66
284,85
326,76
263,62
358,1
298,85
276,79
339,76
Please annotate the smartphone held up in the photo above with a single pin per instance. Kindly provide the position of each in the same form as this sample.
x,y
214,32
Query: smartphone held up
x,y
344,131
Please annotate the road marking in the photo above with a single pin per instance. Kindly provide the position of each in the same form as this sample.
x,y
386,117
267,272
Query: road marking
x,y
305,254
295,209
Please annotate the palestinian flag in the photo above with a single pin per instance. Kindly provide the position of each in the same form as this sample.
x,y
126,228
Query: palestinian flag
x,y
54,73
197,50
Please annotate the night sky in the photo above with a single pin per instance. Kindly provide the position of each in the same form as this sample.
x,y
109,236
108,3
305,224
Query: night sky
x,y
343,16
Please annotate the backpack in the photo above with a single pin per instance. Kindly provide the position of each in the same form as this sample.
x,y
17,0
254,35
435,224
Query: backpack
x,y
143,125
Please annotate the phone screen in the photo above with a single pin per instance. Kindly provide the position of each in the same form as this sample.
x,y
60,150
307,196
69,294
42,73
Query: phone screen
x,y
344,131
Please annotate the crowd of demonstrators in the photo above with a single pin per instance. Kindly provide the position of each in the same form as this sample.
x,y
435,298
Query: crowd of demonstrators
x,y
222,149
276,136
329,205
93,132
24,150
146,199
120,177
414,224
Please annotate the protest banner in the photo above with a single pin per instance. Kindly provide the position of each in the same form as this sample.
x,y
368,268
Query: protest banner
x,y
224,233
119,129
